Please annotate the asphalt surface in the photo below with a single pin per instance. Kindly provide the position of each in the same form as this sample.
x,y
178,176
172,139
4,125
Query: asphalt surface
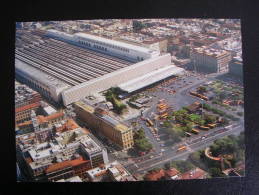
x,y
162,154
165,152
172,154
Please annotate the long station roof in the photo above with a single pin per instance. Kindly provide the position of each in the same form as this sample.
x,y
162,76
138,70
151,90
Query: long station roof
x,y
150,78
114,42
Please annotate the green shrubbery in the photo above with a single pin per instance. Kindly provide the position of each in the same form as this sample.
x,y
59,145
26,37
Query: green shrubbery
x,y
219,112
112,96
141,142
180,165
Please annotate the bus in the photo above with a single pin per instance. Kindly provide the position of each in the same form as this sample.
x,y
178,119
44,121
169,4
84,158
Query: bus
x,y
164,115
204,97
211,125
199,95
149,122
162,111
156,130
195,131
163,107
188,134
204,128
181,148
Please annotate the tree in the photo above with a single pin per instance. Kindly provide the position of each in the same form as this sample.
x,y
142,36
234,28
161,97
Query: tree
x,y
143,145
167,165
141,142
182,165
209,118
226,145
137,25
202,90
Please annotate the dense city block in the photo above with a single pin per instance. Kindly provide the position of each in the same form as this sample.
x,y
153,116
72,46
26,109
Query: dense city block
x,y
129,100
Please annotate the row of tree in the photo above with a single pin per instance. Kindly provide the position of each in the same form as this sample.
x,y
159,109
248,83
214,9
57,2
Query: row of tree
x,y
141,142
219,112
230,145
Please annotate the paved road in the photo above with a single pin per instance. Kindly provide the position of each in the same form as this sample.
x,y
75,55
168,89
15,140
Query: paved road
x,y
181,98
171,154
176,100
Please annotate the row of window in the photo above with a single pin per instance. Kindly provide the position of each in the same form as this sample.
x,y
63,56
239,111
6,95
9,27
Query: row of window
x,y
107,45
99,47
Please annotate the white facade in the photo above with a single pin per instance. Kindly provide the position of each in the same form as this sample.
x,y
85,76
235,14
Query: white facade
x,y
115,78
48,86
60,35
112,47
150,78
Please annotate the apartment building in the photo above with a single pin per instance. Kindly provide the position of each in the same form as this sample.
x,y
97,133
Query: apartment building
x,y
99,120
210,60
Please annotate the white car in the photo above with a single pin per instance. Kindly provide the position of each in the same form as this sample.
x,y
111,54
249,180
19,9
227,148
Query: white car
x,y
162,150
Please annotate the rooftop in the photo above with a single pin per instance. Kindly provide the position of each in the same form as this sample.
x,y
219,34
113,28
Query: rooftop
x,y
65,164
49,110
113,42
116,170
71,179
23,93
27,107
211,51
196,173
90,145
172,172
85,106
150,78
155,175
43,119
39,75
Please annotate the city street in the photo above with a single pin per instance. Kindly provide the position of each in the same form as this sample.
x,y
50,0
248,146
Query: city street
x,y
172,154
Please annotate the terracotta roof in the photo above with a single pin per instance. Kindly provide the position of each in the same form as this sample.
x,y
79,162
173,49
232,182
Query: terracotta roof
x,y
72,124
43,119
65,164
58,166
27,107
171,172
78,161
69,125
155,175
24,123
196,173
54,116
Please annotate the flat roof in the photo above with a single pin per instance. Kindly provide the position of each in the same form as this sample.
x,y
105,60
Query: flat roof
x,y
114,42
111,74
49,110
71,179
110,120
150,78
85,106
39,75
90,145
